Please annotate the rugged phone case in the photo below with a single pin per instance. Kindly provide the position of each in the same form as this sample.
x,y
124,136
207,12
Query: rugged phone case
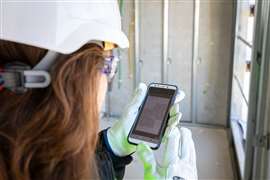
x,y
168,116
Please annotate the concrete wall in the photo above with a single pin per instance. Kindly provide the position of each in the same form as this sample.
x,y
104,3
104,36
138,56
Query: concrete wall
x,y
180,50
215,30
267,117
214,61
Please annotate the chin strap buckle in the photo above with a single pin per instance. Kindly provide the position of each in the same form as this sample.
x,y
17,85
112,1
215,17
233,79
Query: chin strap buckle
x,y
19,77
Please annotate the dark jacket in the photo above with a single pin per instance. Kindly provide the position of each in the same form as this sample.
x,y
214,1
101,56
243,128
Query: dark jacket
x,y
109,165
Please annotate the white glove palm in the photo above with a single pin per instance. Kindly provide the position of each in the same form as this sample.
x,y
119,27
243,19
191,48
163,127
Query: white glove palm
x,y
174,160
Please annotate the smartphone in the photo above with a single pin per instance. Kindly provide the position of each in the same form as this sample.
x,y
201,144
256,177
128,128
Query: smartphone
x,y
152,118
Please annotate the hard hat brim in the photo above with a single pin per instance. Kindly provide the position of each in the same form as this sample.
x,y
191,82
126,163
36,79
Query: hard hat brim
x,y
74,40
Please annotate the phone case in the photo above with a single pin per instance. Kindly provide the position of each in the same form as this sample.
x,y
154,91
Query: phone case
x,y
168,115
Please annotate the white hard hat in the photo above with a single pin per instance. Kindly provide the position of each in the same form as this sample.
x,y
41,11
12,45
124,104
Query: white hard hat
x,y
61,26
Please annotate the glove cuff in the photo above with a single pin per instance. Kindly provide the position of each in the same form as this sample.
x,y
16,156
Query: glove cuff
x,y
106,142
115,144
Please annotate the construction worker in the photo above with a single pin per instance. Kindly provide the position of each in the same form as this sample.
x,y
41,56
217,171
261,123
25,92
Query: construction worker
x,y
56,58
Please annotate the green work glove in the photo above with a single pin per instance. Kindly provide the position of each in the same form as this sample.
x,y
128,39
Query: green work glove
x,y
174,160
117,135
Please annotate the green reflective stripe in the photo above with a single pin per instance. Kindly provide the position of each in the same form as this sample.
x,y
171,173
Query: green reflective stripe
x,y
150,177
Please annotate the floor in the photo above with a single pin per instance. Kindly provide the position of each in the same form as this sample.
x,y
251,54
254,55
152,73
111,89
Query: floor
x,y
213,155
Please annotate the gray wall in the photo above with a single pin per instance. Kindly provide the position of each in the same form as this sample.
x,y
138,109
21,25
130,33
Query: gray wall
x,y
214,61
267,117
215,30
180,50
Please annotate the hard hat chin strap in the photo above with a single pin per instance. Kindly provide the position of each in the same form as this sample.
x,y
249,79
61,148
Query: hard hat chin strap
x,y
19,77
47,61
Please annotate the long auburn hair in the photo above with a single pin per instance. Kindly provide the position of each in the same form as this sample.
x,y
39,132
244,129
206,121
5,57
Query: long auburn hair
x,y
51,133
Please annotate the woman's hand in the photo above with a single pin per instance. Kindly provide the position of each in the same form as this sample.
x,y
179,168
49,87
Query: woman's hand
x,y
117,135
174,160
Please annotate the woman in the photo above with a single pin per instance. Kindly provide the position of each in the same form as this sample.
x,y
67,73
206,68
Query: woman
x,y
45,133
56,60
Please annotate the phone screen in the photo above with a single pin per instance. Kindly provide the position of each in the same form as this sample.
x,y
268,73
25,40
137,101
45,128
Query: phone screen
x,y
153,115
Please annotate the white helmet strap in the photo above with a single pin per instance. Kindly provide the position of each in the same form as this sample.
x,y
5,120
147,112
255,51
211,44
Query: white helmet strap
x,y
47,61
18,77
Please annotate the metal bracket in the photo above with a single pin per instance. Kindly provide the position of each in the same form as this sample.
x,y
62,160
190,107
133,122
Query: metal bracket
x,y
262,141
